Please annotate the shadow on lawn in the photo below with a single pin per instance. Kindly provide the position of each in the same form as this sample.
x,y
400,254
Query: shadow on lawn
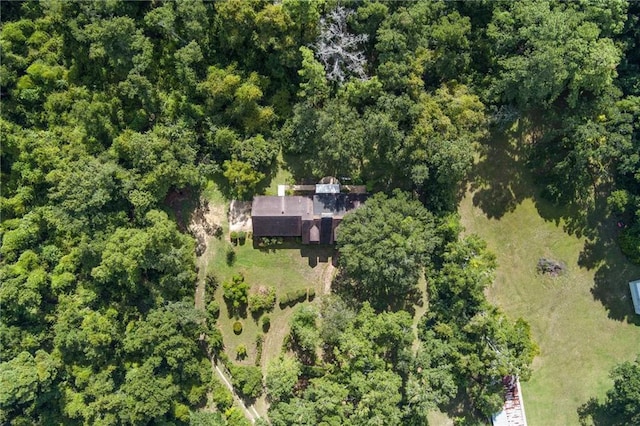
x,y
314,253
502,179
613,272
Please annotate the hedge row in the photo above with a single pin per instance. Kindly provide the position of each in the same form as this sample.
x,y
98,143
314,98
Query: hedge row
x,y
292,297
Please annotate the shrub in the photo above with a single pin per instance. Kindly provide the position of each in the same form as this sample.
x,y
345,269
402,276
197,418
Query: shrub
x,y
550,267
237,327
235,291
242,235
263,300
221,395
247,380
290,298
233,236
299,295
629,240
284,300
212,283
259,342
213,309
311,293
241,352
266,323
230,254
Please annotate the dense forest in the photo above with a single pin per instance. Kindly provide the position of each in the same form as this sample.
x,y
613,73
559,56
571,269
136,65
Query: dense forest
x,y
111,110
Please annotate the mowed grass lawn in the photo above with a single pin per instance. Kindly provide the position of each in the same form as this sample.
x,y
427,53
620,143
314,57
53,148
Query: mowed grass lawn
x,y
583,321
285,269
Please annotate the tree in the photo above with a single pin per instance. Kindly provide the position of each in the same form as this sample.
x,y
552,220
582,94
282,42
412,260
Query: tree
x,y
263,300
242,178
304,330
236,291
247,380
27,387
384,245
456,292
620,406
540,63
282,376
338,49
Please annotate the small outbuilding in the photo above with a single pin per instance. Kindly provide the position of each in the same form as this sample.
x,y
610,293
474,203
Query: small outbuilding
x,y
634,286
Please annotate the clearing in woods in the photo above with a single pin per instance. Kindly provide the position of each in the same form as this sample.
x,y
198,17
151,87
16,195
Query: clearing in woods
x,y
291,267
583,321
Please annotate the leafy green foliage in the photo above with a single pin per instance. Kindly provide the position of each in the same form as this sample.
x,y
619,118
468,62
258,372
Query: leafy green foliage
x,y
540,62
237,327
619,407
247,380
384,245
263,300
236,291
474,342
282,376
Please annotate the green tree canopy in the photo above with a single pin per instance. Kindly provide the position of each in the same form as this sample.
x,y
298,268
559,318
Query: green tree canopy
x,y
384,246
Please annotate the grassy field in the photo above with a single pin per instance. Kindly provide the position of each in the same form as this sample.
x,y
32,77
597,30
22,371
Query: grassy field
x,y
583,321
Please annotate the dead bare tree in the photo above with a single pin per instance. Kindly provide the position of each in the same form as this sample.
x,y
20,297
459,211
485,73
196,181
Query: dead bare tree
x,y
338,49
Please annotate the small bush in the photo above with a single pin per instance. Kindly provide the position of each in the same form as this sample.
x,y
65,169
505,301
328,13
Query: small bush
x,y
263,300
233,236
284,300
235,292
311,293
550,267
629,240
266,323
242,235
221,395
230,254
237,327
290,298
217,232
259,342
213,309
299,295
241,352
212,284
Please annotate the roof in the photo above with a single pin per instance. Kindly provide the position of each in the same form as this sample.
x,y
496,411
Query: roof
x,y
272,206
336,204
314,234
327,188
634,286
314,218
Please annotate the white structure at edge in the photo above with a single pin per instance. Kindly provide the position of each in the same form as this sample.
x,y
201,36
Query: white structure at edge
x,y
512,413
634,286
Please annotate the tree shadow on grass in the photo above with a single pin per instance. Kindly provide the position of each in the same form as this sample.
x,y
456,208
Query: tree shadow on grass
x,y
613,272
502,179
599,414
461,408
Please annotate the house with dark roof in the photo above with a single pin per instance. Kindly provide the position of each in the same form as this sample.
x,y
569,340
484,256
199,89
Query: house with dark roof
x,y
314,217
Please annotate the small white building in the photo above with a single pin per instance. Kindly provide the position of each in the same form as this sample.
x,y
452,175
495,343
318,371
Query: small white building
x,y
634,286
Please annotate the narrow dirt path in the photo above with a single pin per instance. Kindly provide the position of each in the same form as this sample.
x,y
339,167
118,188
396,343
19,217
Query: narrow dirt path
x,y
249,412
327,278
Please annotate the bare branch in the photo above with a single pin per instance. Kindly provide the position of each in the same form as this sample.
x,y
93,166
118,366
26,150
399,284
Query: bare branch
x,y
338,49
